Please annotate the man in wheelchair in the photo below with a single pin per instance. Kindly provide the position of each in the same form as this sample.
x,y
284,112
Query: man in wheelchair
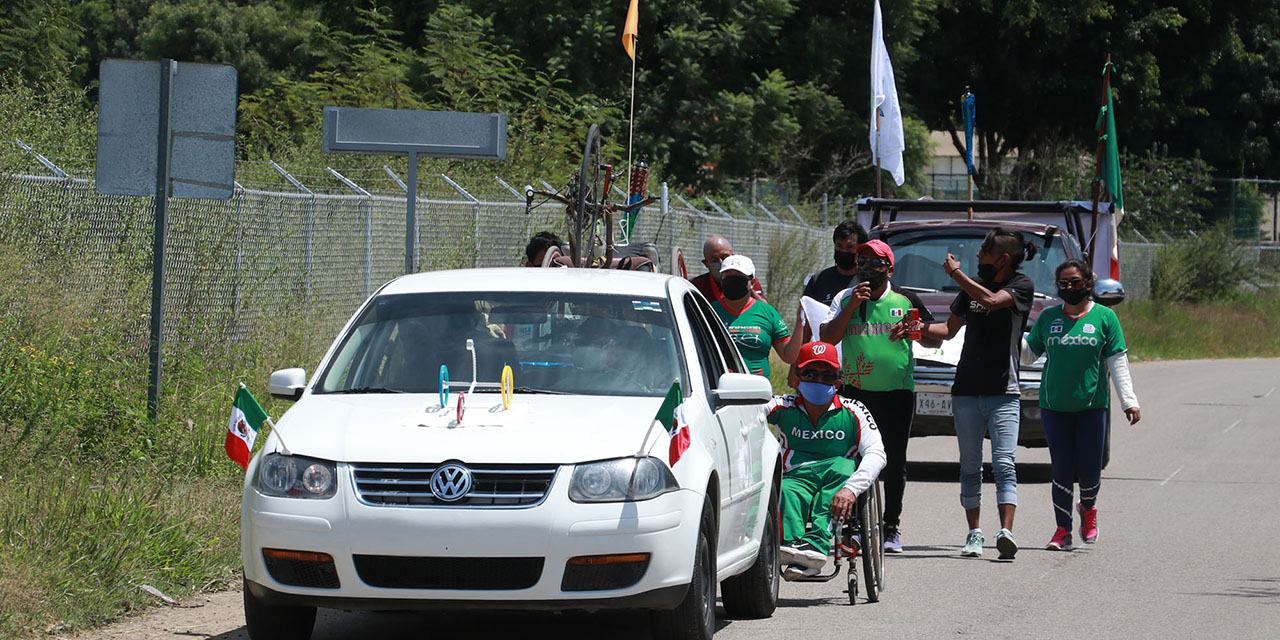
x,y
821,433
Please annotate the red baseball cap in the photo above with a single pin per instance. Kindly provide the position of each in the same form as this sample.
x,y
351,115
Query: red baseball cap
x,y
818,352
877,247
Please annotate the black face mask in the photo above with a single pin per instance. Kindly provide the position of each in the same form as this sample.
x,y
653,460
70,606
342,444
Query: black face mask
x,y
987,272
873,277
1073,296
846,259
734,287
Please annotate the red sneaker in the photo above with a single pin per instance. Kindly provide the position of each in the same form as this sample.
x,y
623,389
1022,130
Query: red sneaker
x,y
1089,524
1061,540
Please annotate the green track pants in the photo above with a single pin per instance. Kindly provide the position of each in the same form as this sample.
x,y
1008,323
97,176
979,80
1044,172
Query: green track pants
x,y
806,501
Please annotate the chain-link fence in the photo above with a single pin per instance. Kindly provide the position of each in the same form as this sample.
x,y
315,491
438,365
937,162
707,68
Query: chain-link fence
x,y
315,243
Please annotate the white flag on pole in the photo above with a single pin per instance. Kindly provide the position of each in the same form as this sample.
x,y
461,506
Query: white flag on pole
x,y
884,101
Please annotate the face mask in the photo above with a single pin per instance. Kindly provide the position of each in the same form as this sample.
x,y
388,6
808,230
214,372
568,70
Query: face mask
x,y
734,287
873,277
1073,296
987,272
817,393
846,259
714,267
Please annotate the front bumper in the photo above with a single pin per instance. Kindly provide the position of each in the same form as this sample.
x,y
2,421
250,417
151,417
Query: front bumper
x,y
938,379
408,539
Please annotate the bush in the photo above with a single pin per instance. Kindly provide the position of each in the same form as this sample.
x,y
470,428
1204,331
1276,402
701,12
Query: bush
x,y
1205,267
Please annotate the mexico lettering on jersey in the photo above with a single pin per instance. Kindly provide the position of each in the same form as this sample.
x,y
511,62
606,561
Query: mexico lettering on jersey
x,y
837,434
870,360
1075,371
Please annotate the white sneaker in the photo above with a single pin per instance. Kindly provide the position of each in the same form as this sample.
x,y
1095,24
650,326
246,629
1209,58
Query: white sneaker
x,y
797,572
806,555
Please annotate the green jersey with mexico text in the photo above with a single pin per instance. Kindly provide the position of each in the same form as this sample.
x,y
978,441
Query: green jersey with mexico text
x,y
1075,373
755,330
836,435
869,360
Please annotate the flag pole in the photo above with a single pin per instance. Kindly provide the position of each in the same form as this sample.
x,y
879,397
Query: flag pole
x,y
631,129
1097,175
968,171
879,171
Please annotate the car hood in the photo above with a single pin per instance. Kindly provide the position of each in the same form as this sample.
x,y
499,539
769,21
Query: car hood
x,y
413,428
939,304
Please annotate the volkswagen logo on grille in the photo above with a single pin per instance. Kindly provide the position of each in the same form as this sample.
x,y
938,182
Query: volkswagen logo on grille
x,y
451,482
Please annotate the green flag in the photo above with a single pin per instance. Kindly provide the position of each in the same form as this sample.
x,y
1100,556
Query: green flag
x,y
1110,171
247,417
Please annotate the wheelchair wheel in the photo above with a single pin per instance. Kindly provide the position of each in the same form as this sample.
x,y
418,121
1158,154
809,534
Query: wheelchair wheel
x,y
853,584
873,543
587,200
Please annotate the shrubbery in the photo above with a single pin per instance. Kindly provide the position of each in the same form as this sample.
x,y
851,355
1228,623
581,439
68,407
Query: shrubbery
x,y
1211,265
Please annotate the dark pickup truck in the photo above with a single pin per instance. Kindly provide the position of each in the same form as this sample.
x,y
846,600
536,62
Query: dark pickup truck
x,y
923,232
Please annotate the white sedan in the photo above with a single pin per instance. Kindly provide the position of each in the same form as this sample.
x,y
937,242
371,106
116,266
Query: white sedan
x,y
556,439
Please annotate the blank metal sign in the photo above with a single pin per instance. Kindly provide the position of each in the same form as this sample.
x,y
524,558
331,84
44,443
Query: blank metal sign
x,y
202,126
442,134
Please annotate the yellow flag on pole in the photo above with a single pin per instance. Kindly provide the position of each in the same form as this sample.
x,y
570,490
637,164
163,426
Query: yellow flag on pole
x,y
631,30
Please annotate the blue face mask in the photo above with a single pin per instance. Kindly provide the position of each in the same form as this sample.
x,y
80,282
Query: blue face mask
x,y
818,393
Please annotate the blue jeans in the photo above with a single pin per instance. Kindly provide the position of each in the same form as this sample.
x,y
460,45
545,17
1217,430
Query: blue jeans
x,y
995,417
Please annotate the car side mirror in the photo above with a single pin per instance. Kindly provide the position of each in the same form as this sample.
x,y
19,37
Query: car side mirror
x,y
742,389
288,384
1108,292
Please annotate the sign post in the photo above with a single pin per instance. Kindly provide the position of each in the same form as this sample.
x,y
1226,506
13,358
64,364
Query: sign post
x,y
402,132
165,129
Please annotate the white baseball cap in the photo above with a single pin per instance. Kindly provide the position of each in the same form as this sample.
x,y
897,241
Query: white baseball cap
x,y
741,264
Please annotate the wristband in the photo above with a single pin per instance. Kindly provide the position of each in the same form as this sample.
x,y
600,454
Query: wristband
x,y
952,272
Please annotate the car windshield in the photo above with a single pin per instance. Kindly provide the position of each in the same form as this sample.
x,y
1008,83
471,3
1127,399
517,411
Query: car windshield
x,y
585,343
918,257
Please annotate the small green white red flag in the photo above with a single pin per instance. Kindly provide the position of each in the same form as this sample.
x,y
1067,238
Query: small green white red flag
x,y
671,417
247,417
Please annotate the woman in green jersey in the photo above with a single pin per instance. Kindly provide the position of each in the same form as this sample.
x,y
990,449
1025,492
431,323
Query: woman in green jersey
x,y
755,326
1083,341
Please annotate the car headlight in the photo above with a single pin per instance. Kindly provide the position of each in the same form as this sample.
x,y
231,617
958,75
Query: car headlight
x,y
621,479
296,477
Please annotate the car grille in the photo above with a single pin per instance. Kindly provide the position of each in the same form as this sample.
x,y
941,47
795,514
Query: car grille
x,y
463,574
409,485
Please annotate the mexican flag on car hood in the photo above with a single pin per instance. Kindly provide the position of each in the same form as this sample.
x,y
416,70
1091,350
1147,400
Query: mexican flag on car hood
x,y
671,417
247,417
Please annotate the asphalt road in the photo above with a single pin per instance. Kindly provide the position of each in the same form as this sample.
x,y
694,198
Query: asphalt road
x,y
1187,513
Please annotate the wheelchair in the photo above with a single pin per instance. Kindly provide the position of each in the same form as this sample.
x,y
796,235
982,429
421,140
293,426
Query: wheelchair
x,y
866,524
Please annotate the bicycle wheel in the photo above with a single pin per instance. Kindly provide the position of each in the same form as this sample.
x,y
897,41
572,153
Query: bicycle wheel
x,y
873,546
879,518
587,202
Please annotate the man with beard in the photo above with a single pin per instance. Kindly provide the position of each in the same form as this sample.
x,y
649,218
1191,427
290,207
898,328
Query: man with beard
x,y
878,365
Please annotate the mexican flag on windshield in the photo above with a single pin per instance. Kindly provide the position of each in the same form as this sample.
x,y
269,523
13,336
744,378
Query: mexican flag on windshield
x,y
671,417
247,417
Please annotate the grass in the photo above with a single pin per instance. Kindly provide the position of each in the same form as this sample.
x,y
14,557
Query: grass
x,y
1240,326
96,500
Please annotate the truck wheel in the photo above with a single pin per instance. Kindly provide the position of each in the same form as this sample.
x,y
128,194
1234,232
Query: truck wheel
x,y
266,622
695,617
754,593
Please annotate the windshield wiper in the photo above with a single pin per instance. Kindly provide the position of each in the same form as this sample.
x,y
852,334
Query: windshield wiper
x,y
917,289
543,391
370,390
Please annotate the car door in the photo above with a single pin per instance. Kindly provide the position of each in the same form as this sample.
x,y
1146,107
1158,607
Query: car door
x,y
736,459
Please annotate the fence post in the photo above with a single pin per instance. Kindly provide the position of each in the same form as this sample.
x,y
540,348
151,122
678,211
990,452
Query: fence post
x,y
475,214
306,229
368,229
824,210
840,207
235,275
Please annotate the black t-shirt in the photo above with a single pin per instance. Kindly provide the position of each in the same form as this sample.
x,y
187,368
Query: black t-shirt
x,y
992,340
824,286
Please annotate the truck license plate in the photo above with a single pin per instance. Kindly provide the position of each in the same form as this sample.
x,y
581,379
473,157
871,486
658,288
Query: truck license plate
x,y
933,404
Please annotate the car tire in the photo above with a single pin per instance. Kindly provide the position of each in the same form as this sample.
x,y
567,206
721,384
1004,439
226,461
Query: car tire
x,y
267,622
695,617
754,593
